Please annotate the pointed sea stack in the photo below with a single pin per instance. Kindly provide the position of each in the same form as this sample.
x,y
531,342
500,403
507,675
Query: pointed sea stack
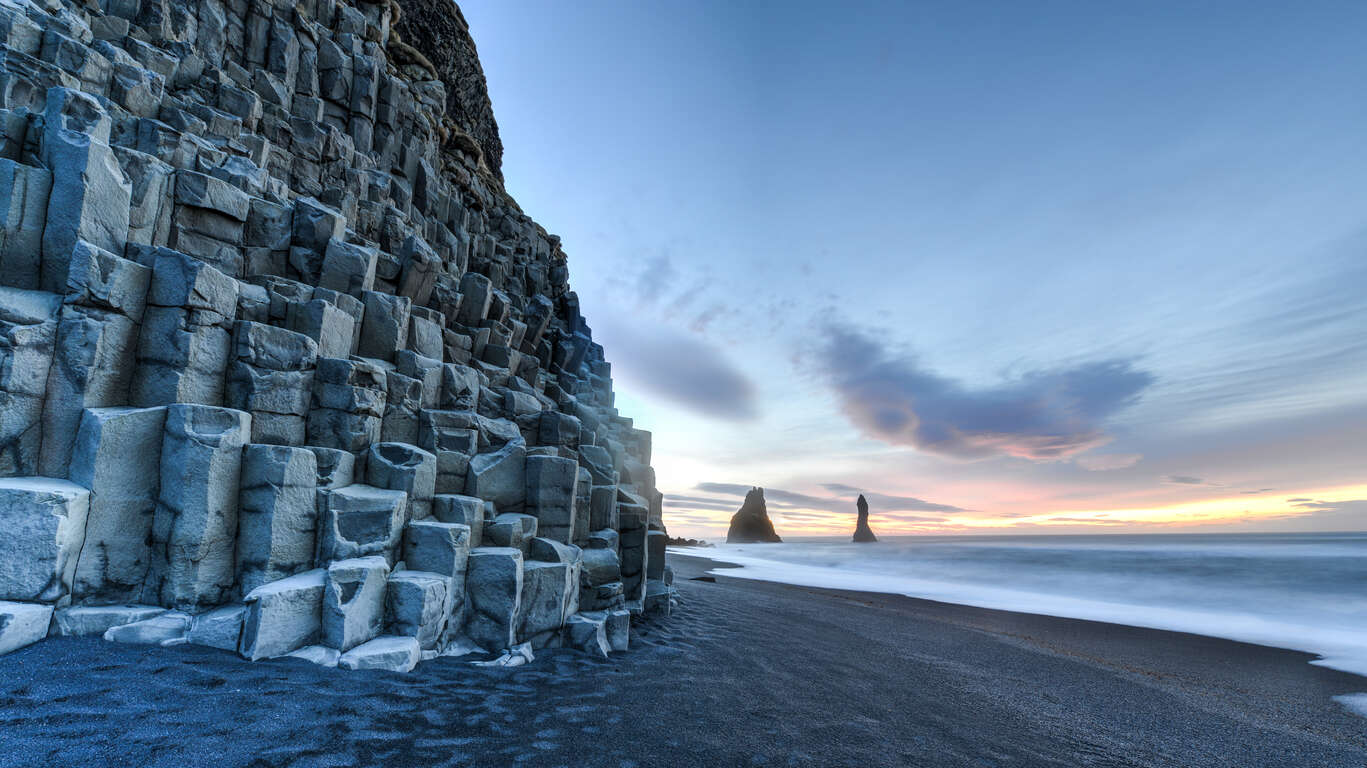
x,y
751,522
862,532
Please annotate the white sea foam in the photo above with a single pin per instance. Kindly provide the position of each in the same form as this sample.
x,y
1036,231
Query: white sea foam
x,y
1301,592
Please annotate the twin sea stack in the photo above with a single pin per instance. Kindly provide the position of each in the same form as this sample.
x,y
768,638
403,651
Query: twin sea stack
x,y
751,523
283,368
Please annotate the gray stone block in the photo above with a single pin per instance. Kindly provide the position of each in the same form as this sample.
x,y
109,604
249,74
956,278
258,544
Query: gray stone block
x,y
604,539
388,653
551,495
361,520
168,628
43,520
635,556
618,628
353,601
384,327
330,328
493,587
402,405
314,225
28,331
407,468
546,596
416,606
277,515
83,620
463,510
90,195
321,655
283,615
202,191
218,628
500,476
24,191
587,632
655,554
22,624
510,529
603,508
275,349
91,367
657,597
442,548
195,527
450,439
117,456
348,268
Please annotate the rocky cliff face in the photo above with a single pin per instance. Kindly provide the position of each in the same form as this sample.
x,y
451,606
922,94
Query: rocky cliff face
x,y
282,367
439,32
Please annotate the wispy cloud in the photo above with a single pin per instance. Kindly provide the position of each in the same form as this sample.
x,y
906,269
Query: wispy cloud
x,y
1043,415
1105,462
682,368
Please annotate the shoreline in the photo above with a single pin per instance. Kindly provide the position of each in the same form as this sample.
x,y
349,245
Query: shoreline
x,y
1344,652
743,673
993,619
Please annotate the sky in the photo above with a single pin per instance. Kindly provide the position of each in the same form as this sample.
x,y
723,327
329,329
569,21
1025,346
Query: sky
x,y
1056,267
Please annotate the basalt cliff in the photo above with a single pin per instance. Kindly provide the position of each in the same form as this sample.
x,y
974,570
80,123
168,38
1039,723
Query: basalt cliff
x,y
283,369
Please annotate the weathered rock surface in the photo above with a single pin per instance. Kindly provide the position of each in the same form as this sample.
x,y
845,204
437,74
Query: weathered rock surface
x,y
353,601
84,620
361,520
390,653
751,522
279,355
493,587
416,606
42,528
118,457
277,514
195,529
284,615
22,624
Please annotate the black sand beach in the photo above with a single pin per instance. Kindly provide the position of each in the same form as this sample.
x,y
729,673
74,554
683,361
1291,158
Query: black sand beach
x,y
744,673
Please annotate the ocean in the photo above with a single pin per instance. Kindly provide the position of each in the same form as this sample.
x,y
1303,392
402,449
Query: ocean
x,y
1306,592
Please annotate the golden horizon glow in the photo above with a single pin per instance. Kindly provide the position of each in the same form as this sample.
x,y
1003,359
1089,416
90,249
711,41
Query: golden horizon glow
x,y
1237,512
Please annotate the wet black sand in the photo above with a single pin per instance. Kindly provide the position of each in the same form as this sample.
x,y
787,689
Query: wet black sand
x,y
744,673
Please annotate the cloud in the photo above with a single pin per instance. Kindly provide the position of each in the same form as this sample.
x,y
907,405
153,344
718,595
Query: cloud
x,y
1183,480
657,274
1260,490
677,501
880,503
681,368
1105,462
1042,416
1335,515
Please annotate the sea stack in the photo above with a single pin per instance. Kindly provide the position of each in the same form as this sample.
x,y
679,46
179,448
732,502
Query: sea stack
x,y
862,532
751,522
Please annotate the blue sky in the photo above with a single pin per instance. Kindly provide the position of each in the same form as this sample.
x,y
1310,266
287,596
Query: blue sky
x,y
1045,265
